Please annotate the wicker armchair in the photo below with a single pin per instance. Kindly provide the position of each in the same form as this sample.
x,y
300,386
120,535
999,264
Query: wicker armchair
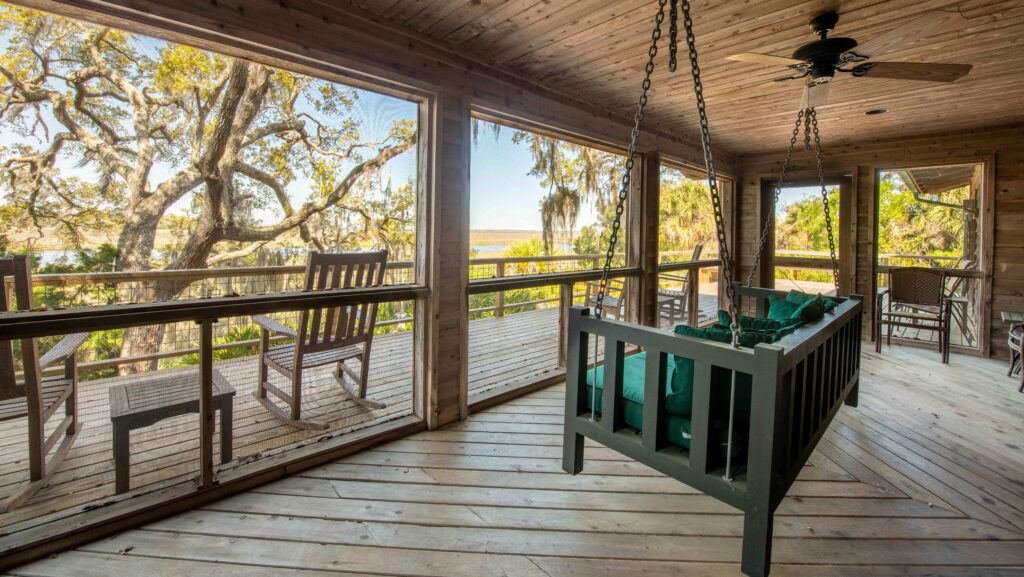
x,y
1016,342
916,299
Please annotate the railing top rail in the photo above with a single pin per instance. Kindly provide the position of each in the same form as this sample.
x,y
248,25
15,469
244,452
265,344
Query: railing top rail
x,y
688,265
51,279
177,274
20,325
489,285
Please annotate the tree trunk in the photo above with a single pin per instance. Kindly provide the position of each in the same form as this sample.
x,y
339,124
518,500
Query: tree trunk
x,y
144,340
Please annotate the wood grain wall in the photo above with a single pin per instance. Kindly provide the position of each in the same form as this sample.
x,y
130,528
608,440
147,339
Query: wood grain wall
x,y
1003,147
336,42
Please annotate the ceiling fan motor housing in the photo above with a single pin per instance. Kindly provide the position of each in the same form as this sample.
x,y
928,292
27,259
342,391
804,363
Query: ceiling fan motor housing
x,y
823,55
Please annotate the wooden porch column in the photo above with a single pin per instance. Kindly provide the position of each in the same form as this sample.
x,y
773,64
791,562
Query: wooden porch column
x,y
646,237
446,372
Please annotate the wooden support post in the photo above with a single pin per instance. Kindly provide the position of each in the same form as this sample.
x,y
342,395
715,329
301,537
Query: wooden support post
x,y
446,372
206,477
499,297
575,390
692,296
645,237
759,513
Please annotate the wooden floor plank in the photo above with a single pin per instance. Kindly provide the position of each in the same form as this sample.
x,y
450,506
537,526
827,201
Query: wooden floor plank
x,y
891,491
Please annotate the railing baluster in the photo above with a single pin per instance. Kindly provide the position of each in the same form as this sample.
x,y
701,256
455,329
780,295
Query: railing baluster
x,y
700,416
499,298
564,303
654,400
611,401
206,478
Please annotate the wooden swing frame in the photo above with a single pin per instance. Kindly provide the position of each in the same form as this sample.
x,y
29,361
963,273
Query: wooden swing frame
x,y
798,385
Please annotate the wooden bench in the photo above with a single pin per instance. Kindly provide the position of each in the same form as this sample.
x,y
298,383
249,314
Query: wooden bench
x,y
142,404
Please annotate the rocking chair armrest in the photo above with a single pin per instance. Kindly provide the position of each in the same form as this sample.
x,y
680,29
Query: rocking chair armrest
x,y
67,347
268,324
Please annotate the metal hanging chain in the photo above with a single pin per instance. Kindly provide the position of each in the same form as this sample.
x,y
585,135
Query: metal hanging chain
x,y
709,163
812,116
620,206
627,176
673,34
775,199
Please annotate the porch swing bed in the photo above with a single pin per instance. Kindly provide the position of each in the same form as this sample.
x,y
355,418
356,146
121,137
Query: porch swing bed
x,y
786,394
734,410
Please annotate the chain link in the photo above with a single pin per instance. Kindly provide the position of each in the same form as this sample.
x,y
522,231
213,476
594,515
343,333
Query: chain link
x,y
673,34
709,162
812,115
775,199
627,176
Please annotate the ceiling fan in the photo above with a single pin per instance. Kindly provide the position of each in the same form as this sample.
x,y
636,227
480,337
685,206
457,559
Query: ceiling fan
x,y
819,61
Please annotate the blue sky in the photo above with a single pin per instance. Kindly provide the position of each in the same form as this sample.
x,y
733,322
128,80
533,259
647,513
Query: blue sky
x,y
503,194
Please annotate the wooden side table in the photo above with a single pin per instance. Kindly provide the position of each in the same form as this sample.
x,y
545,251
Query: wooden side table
x,y
141,404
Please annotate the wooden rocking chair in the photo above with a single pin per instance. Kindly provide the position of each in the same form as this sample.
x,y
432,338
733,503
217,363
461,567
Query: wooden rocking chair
x,y
672,304
36,396
614,301
324,337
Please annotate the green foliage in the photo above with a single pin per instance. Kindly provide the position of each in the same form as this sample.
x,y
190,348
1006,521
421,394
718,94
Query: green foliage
x,y
685,214
235,334
908,226
803,224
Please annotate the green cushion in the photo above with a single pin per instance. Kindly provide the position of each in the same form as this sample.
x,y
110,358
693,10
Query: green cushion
x,y
795,296
756,323
798,297
830,303
781,309
633,369
811,310
680,401
678,428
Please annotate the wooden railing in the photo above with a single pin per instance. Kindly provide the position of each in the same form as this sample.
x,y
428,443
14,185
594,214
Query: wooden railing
x,y
210,283
120,288
567,294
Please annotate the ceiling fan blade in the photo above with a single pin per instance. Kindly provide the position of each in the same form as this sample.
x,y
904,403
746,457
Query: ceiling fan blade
x,y
815,95
913,71
917,27
764,59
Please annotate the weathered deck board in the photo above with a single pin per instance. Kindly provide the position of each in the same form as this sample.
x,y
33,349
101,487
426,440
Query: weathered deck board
x,y
900,487
516,349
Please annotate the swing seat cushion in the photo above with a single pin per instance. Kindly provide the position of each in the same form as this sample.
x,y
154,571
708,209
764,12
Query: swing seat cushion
x,y
809,311
677,427
795,296
757,324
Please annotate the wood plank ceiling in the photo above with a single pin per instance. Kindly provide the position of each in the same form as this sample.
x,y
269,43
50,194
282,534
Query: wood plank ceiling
x,y
595,50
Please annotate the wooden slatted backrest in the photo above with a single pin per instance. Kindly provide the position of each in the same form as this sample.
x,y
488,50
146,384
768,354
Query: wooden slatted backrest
x,y
333,327
917,286
697,250
15,268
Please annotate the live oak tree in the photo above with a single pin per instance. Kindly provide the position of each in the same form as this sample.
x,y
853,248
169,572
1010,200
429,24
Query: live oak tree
x,y
107,134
